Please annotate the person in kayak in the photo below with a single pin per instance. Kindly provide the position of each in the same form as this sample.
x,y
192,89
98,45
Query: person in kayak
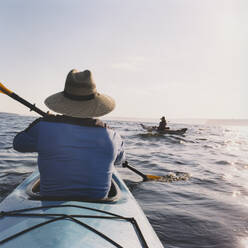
x,y
76,151
162,125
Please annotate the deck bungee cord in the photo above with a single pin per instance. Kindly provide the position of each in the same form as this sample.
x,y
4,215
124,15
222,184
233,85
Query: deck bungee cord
x,y
57,217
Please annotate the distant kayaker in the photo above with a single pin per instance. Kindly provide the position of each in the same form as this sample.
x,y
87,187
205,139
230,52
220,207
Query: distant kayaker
x,y
76,151
163,124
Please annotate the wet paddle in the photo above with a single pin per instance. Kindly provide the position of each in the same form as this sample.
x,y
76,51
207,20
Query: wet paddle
x,y
145,177
11,94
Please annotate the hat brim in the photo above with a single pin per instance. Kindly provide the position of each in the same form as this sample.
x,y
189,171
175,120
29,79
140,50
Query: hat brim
x,y
98,106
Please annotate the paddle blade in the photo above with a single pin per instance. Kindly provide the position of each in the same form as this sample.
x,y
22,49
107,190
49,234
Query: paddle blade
x,y
171,177
152,177
5,90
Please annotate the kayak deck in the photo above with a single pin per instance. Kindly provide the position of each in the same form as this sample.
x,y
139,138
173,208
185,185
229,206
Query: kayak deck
x,y
119,223
166,131
177,131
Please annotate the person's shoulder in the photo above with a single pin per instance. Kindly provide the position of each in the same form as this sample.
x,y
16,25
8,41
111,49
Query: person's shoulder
x,y
34,123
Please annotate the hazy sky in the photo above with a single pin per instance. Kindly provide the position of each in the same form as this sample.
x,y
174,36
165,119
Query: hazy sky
x,y
178,58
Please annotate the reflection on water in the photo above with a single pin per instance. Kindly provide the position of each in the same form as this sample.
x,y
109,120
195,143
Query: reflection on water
x,y
244,242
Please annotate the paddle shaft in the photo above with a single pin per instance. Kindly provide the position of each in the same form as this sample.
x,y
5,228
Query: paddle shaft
x,y
125,164
32,107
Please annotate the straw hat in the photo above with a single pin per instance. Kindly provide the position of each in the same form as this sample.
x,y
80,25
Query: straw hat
x,y
80,97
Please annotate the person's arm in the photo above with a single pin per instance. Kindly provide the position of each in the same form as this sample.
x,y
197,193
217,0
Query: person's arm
x,y
26,141
121,155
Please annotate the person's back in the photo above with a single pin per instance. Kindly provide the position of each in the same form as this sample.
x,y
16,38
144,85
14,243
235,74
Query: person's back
x,y
72,157
75,155
162,124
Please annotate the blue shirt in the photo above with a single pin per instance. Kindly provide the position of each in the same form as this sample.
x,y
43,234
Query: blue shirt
x,y
73,160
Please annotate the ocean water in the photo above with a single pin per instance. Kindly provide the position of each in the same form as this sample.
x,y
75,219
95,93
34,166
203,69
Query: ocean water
x,y
206,207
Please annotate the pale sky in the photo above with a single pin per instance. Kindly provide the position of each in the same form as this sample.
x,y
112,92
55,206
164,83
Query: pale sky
x,y
178,58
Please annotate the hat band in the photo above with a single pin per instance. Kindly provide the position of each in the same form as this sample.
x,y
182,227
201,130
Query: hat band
x,y
78,98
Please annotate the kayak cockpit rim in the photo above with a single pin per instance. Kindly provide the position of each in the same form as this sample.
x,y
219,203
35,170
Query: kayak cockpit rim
x,y
33,191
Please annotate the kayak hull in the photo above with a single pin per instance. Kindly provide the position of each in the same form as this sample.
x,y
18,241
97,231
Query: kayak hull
x,y
177,131
166,131
67,232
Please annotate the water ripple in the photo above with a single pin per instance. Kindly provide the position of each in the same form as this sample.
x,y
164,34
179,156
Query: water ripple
x,y
203,200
